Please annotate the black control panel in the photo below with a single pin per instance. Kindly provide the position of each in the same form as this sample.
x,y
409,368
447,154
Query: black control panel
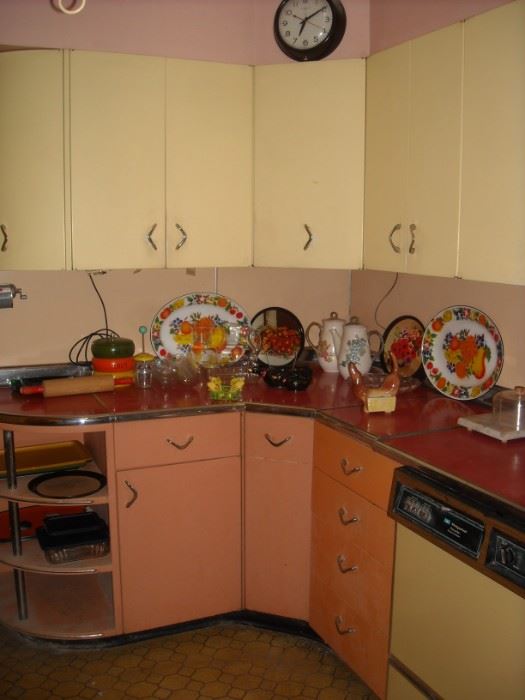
x,y
436,517
507,557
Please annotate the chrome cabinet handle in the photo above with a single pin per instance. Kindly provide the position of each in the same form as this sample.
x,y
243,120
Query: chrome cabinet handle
x,y
339,626
183,239
412,248
341,560
343,513
134,494
149,237
277,443
395,247
181,446
347,470
310,237
3,228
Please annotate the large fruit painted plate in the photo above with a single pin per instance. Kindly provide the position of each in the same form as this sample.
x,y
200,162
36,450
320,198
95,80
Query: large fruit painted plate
x,y
462,352
201,322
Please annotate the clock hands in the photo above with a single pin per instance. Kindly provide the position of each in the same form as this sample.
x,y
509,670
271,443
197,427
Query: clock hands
x,y
308,18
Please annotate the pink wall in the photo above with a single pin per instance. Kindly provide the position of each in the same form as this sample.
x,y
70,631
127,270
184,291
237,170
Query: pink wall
x,y
395,21
229,31
424,297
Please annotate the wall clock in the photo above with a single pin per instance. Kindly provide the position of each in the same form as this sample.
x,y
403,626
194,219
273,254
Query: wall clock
x,y
308,30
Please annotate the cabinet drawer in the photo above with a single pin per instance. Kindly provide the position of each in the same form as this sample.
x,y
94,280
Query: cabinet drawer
x,y
285,438
354,464
173,440
351,518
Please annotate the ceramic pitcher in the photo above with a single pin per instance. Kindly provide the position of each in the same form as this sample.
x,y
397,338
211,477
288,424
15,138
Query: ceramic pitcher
x,y
355,347
329,333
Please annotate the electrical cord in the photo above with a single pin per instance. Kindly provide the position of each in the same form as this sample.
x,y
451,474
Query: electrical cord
x,y
78,353
383,299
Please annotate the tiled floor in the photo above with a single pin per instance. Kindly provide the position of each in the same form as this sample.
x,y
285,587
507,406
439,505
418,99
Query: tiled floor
x,y
226,660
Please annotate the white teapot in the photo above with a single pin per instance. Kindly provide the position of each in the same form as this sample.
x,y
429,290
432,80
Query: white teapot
x,y
328,341
355,348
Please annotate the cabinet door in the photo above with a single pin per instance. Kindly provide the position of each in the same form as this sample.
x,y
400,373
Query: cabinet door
x,y
32,161
434,161
278,482
309,164
387,117
180,542
117,160
209,164
492,231
413,155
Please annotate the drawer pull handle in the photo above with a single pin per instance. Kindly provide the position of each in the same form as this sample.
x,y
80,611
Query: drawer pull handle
x,y
277,443
347,469
341,560
183,446
342,630
343,517
134,494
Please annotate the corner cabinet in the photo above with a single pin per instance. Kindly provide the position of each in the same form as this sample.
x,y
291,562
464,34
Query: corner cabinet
x,y
492,230
179,511
209,143
33,230
277,514
352,553
413,132
70,600
309,164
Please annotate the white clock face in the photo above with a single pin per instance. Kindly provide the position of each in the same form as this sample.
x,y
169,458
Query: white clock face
x,y
304,24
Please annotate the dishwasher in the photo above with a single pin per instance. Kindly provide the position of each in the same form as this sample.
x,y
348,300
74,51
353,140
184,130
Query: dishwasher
x,y
458,612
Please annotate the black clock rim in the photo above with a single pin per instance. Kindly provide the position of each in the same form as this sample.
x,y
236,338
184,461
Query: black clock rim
x,y
326,47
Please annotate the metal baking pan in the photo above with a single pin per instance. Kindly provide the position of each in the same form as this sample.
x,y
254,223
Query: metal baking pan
x,y
38,459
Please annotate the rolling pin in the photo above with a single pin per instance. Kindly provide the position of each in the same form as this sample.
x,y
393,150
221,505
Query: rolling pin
x,y
76,385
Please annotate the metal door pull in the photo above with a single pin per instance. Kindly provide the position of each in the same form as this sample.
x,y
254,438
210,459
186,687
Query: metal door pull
x,y
339,626
134,494
345,466
182,446
341,560
277,443
343,517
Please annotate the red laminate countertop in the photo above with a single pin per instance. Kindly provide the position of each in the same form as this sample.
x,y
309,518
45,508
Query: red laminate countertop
x,y
421,431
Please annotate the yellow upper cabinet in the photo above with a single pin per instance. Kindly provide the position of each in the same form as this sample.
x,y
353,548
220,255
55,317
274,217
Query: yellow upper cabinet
x,y
117,160
413,132
209,164
492,225
309,164
32,214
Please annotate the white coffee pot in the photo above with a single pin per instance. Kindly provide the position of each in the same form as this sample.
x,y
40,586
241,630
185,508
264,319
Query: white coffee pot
x,y
329,333
355,347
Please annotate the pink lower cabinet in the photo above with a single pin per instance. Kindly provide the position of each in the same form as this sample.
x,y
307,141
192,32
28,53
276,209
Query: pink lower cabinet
x,y
352,553
277,514
180,522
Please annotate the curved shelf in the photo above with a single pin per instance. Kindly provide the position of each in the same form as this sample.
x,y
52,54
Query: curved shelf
x,y
22,494
83,610
33,560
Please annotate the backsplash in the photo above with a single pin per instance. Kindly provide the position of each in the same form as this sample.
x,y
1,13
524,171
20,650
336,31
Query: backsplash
x,y
62,307
424,297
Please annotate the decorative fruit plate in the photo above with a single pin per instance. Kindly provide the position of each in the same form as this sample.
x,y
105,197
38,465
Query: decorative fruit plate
x,y
462,352
201,321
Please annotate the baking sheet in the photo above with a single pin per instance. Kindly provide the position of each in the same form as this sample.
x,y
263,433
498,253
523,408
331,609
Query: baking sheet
x,y
37,459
